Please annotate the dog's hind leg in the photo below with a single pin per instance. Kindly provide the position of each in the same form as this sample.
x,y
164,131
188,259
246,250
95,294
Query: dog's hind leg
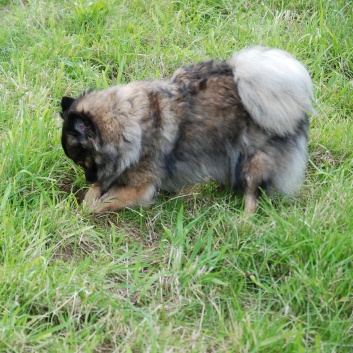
x,y
250,202
258,172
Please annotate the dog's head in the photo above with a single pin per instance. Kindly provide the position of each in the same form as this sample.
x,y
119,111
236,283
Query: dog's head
x,y
80,138
101,132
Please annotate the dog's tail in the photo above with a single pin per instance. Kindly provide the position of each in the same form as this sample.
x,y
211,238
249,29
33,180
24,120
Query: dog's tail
x,y
274,87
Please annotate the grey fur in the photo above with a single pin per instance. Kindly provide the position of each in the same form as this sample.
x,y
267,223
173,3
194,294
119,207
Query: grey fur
x,y
241,123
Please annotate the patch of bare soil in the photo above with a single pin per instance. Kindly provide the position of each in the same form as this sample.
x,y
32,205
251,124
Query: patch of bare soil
x,y
67,186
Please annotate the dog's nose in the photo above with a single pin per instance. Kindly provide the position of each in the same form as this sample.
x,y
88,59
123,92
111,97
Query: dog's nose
x,y
91,179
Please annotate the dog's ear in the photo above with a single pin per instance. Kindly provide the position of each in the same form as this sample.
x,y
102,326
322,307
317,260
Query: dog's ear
x,y
66,103
80,126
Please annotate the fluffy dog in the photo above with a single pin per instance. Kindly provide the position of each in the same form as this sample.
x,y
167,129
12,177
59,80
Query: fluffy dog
x,y
241,122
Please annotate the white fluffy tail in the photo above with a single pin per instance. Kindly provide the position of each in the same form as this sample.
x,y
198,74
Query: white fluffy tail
x,y
274,87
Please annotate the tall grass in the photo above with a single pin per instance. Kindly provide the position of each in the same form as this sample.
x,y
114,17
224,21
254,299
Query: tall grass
x,y
191,273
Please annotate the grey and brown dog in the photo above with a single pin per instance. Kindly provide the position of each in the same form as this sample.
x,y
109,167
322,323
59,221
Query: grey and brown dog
x,y
241,122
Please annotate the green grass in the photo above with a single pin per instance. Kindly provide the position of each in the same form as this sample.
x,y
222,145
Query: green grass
x,y
191,273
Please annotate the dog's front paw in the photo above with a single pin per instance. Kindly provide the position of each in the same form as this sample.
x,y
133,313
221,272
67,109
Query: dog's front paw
x,y
118,198
91,197
106,203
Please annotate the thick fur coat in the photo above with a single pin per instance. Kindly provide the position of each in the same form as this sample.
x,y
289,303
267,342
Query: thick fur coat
x,y
241,122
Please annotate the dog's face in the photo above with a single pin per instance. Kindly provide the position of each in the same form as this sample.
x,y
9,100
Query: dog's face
x,y
79,139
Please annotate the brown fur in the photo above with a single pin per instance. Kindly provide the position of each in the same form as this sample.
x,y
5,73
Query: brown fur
x,y
135,139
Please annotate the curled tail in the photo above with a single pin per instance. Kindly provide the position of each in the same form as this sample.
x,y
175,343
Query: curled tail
x,y
274,87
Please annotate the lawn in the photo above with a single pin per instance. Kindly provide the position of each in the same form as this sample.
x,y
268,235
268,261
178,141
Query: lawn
x,y
192,273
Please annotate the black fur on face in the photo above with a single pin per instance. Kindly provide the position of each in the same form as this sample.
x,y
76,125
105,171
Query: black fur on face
x,y
78,139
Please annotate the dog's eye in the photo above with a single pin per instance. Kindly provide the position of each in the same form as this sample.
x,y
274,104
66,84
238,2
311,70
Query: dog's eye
x,y
80,164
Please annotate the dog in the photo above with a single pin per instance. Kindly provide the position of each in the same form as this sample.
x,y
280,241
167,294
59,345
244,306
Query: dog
x,y
242,122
